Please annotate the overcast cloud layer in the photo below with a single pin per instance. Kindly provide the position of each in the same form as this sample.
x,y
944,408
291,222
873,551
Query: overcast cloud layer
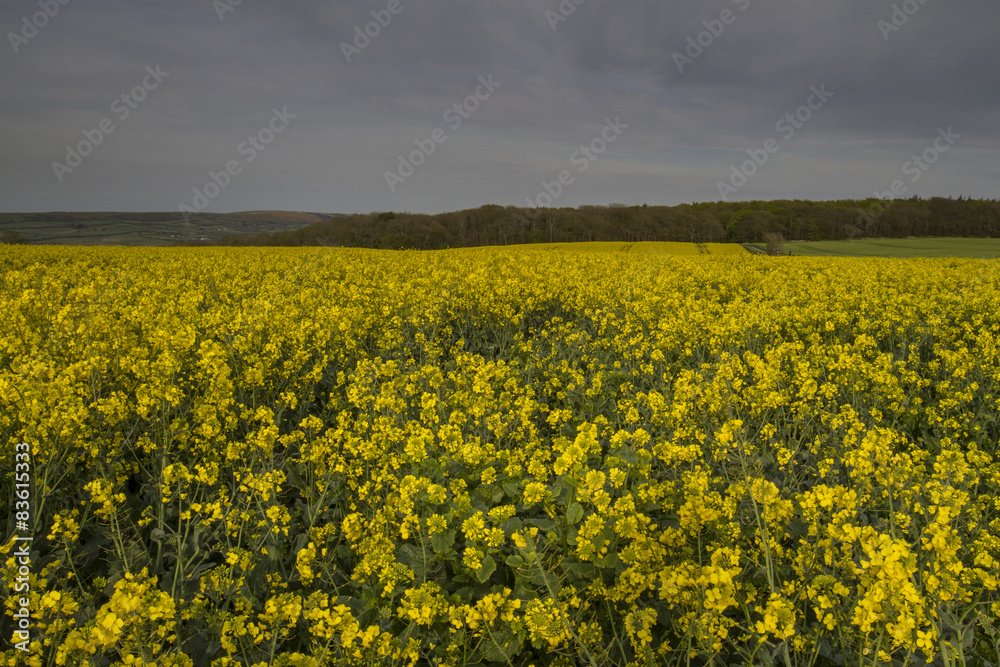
x,y
683,115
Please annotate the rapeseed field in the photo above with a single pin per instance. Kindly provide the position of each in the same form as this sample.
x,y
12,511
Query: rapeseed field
x,y
309,457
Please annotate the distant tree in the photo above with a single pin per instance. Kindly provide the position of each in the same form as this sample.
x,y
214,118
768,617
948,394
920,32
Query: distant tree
x,y
706,222
775,242
10,237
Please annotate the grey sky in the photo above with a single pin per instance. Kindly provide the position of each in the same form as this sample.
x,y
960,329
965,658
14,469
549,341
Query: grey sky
x,y
891,92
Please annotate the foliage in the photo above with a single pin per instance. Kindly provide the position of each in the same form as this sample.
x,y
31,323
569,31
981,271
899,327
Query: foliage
x,y
10,237
774,242
512,457
709,222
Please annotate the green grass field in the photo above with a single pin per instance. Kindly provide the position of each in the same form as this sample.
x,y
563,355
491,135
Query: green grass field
x,y
146,229
914,247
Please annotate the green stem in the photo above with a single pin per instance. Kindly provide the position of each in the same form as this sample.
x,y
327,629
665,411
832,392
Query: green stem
x,y
555,601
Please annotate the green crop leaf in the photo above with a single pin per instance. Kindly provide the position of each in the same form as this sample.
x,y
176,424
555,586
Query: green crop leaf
x,y
515,561
484,573
442,542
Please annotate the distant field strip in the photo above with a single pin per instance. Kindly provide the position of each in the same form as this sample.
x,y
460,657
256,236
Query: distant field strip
x,y
918,247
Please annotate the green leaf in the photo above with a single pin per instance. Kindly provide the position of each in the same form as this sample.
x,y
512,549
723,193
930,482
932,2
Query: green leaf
x,y
798,528
415,558
515,561
544,524
354,604
484,573
502,646
443,541
568,492
512,525
579,570
987,624
575,513
609,561
204,567
628,455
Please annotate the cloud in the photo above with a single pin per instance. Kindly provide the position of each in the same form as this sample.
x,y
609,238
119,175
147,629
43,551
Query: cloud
x,y
559,86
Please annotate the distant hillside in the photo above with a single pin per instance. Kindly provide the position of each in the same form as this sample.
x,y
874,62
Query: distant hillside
x,y
162,229
736,222
713,222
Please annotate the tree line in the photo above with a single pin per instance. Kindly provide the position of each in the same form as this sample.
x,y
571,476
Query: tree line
x,y
714,222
